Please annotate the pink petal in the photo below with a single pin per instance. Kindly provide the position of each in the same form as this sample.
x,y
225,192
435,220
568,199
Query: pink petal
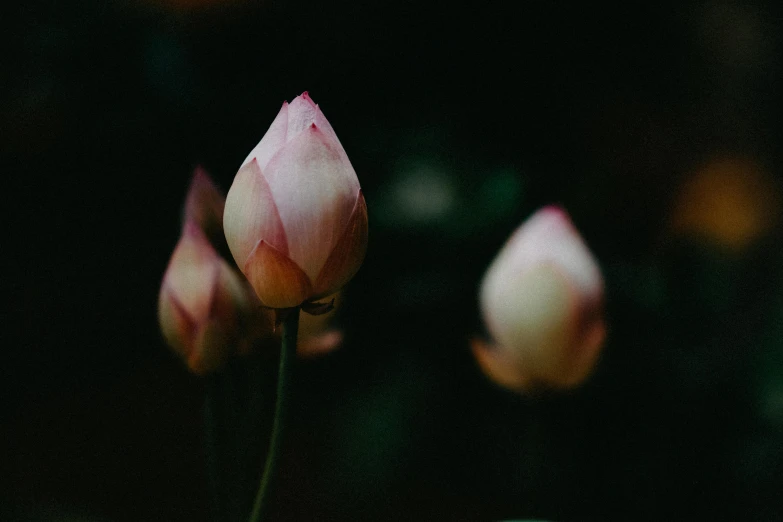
x,y
301,113
251,214
304,111
177,326
192,272
272,141
315,192
550,236
530,312
277,280
347,255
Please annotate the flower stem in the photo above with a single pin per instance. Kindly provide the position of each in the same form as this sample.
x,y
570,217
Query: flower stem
x,y
287,362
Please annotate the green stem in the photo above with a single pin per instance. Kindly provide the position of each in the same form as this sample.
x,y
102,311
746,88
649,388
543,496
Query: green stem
x,y
287,362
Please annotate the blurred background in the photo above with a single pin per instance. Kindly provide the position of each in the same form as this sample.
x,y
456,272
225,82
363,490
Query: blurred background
x,y
658,128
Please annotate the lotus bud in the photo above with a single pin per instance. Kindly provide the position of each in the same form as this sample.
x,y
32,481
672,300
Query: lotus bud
x,y
206,309
204,206
295,217
542,302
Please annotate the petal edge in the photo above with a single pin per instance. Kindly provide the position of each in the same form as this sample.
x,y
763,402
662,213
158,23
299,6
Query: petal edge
x,y
278,281
348,253
251,214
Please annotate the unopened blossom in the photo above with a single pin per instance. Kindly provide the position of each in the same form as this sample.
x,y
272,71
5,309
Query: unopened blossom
x,y
295,217
542,303
205,308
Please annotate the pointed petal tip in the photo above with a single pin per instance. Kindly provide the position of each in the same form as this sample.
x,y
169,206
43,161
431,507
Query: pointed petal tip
x,y
553,213
305,97
251,163
554,207
199,172
204,203
201,178
252,214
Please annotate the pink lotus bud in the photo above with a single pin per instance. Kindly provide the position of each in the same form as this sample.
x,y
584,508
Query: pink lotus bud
x,y
295,218
542,301
206,310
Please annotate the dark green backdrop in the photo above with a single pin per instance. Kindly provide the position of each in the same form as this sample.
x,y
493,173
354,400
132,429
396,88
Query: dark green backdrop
x,y
490,109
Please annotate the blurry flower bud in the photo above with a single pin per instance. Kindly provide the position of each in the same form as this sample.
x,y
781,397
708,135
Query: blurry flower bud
x,y
206,310
295,218
542,302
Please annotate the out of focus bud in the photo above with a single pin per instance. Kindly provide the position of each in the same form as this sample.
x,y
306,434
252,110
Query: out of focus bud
x,y
542,302
295,217
206,310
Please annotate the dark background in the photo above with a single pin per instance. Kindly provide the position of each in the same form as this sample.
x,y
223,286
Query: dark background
x,y
491,110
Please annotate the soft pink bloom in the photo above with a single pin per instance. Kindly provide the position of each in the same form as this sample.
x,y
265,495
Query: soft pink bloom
x,y
206,309
295,217
542,302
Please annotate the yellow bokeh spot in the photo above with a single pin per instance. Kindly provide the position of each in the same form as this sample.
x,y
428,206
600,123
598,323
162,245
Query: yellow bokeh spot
x,y
729,201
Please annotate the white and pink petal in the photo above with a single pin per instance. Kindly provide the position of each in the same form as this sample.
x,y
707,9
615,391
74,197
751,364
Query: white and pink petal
x,y
252,214
301,114
315,195
192,271
272,141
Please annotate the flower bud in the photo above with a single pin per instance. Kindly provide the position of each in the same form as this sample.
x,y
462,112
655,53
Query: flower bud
x,y
295,217
542,302
205,308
